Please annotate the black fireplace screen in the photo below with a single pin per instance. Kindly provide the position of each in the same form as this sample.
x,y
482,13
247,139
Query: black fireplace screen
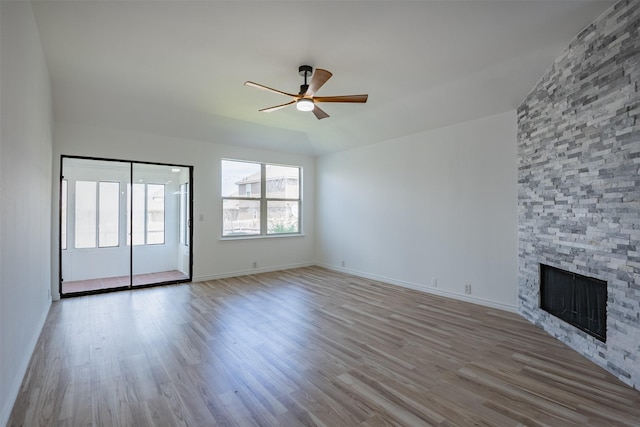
x,y
576,299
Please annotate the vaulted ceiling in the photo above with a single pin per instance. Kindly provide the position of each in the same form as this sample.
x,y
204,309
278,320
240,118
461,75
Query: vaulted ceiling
x,y
177,68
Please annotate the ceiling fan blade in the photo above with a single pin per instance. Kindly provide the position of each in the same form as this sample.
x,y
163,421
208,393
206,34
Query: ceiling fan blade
x,y
344,98
268,89
319,113
277,107
319,78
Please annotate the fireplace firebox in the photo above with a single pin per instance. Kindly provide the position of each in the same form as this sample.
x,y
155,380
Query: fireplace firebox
x,y
576,299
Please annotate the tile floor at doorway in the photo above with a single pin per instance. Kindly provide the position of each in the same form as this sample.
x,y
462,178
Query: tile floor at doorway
x,y
120,281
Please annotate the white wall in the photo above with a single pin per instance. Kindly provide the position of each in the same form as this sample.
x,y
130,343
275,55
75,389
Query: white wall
x,y
213,257
440,204
25,194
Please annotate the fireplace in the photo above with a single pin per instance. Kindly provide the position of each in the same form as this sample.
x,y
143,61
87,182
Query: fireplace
x,y
576,299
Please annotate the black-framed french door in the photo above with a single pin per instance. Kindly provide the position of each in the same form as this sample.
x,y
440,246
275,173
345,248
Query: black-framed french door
x,y
123,224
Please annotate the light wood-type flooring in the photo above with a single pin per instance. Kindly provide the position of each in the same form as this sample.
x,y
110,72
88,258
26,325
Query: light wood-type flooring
x,y
306,347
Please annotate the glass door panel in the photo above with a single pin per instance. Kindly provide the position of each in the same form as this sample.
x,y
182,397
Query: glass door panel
x,y
93,253
159,223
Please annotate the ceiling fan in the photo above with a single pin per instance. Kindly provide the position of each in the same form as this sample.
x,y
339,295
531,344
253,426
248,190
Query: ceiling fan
x,y
306,99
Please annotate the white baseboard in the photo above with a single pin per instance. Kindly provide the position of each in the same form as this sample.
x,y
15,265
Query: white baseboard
x,y
22,370
426,289
238,273
404,284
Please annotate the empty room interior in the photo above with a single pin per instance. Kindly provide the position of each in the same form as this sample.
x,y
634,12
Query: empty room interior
x,y
331,213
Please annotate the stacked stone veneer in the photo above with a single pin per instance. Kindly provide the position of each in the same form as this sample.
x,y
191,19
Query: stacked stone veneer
x,y
579,183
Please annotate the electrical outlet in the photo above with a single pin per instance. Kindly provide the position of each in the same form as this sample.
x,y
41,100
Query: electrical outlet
x,y
48,293
201,218
255,264
434,282
467,289
341,263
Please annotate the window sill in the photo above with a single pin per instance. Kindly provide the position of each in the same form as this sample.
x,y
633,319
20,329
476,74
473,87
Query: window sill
x,y
270,236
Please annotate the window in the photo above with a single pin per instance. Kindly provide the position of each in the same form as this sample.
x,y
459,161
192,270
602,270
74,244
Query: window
x,y
86,212
108,214
260,199
148,214
63,214
96,218
155,214
184,214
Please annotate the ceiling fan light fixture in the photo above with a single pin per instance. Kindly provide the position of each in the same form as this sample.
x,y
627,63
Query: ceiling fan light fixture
x,y
305,104
306,99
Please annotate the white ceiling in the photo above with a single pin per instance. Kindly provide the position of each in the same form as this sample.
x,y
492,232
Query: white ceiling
x,y
177,68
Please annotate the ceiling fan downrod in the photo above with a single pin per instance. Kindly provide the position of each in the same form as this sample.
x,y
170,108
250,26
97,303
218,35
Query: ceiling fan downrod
x,y
305,71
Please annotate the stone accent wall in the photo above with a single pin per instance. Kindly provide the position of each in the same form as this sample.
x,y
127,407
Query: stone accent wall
x,y
579,183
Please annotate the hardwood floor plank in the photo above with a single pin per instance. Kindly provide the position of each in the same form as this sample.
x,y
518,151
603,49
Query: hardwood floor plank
x,y
180,414
352,411
564,414
306,347
387,403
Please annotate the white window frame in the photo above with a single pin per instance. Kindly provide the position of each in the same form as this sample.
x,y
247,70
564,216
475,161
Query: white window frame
x,y
263,201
